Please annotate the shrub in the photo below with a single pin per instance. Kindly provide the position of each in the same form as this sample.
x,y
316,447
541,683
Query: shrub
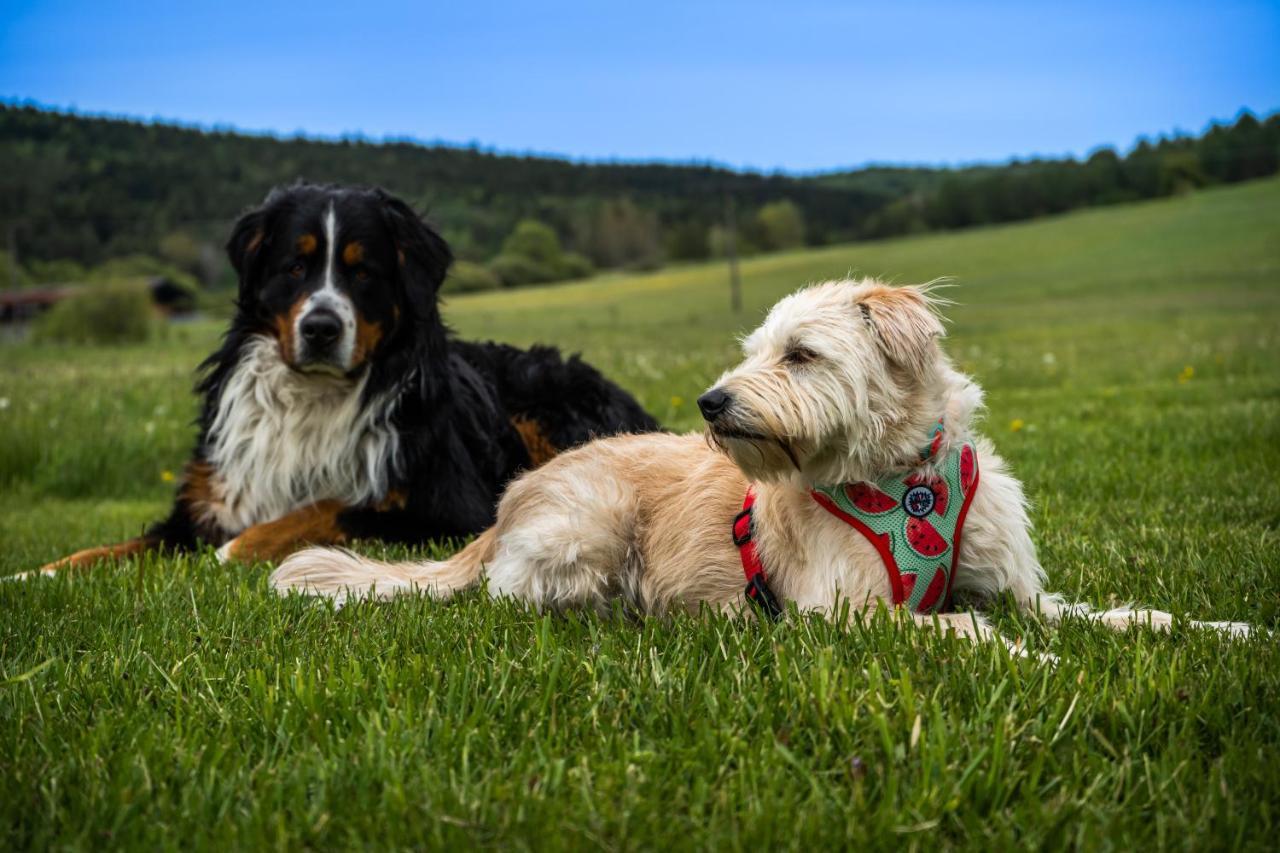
x,y
534,240
114,313
779,225
59,271
573,265
531,254
467,277
519,270
901,216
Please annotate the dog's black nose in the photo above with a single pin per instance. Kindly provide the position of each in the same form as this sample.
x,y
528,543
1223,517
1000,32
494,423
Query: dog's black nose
x,y
320,329
713,403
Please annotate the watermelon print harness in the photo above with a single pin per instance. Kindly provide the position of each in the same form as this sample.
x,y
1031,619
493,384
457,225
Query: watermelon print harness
x,y
915,524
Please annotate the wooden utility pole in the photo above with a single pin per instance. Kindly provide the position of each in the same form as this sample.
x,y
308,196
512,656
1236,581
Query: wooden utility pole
x,y
731,253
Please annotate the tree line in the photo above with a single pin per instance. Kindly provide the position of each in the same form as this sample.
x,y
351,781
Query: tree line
x,y
79,191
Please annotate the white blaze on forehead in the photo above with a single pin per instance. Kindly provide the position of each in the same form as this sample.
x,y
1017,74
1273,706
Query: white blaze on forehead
x,y
331,298
330,244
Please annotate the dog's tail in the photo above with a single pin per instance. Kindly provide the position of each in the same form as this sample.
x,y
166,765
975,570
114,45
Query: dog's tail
x,y
342,575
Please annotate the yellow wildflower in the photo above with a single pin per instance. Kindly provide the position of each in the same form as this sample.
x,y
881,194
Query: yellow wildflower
x,y
1187,373
1017,424
166,475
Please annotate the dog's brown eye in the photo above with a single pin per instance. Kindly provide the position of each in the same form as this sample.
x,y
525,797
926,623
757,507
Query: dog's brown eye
x,y
362,275
296,269
799,355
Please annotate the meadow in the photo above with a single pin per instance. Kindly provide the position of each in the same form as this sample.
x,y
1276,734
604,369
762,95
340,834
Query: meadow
x,y
1131,357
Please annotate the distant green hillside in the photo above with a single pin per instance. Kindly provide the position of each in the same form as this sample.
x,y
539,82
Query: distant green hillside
x,y
84,190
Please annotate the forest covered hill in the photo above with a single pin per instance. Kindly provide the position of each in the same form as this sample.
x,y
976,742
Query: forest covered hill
x,y
77,191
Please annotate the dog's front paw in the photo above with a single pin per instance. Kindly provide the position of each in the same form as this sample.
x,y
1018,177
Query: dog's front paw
x,y
41,572
48,570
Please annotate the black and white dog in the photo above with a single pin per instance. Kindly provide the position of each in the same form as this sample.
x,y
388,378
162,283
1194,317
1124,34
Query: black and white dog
x,y
339,405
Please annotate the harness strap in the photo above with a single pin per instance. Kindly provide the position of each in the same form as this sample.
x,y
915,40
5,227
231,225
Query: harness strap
x,y
758,591
879,541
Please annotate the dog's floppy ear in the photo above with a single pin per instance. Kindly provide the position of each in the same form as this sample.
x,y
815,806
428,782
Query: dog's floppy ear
x,y
246,241
905,325
423,254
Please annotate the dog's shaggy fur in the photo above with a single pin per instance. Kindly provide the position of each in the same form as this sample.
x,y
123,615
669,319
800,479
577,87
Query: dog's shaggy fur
x,y
841,384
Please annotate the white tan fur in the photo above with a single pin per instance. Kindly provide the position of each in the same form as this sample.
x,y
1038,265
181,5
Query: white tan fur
x,y
281,440
841,383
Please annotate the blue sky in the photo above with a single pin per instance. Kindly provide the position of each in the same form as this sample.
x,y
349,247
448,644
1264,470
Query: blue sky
x,y
792,85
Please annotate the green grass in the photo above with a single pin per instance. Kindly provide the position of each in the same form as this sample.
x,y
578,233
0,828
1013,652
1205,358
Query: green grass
x,y
176,702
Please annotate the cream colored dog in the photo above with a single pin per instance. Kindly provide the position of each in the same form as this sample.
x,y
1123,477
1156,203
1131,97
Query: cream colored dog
x,y
842,384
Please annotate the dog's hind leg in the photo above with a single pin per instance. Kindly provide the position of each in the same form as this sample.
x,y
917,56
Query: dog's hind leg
x,y
342,575
566,539
562,539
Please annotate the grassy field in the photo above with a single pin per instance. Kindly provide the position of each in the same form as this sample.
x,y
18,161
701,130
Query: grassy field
x,y
1132,361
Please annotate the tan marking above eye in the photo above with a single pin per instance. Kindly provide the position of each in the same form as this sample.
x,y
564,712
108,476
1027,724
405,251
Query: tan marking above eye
x,y
306,244
353,253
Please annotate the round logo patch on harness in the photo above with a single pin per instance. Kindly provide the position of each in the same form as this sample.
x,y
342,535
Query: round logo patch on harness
x,y
918,501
